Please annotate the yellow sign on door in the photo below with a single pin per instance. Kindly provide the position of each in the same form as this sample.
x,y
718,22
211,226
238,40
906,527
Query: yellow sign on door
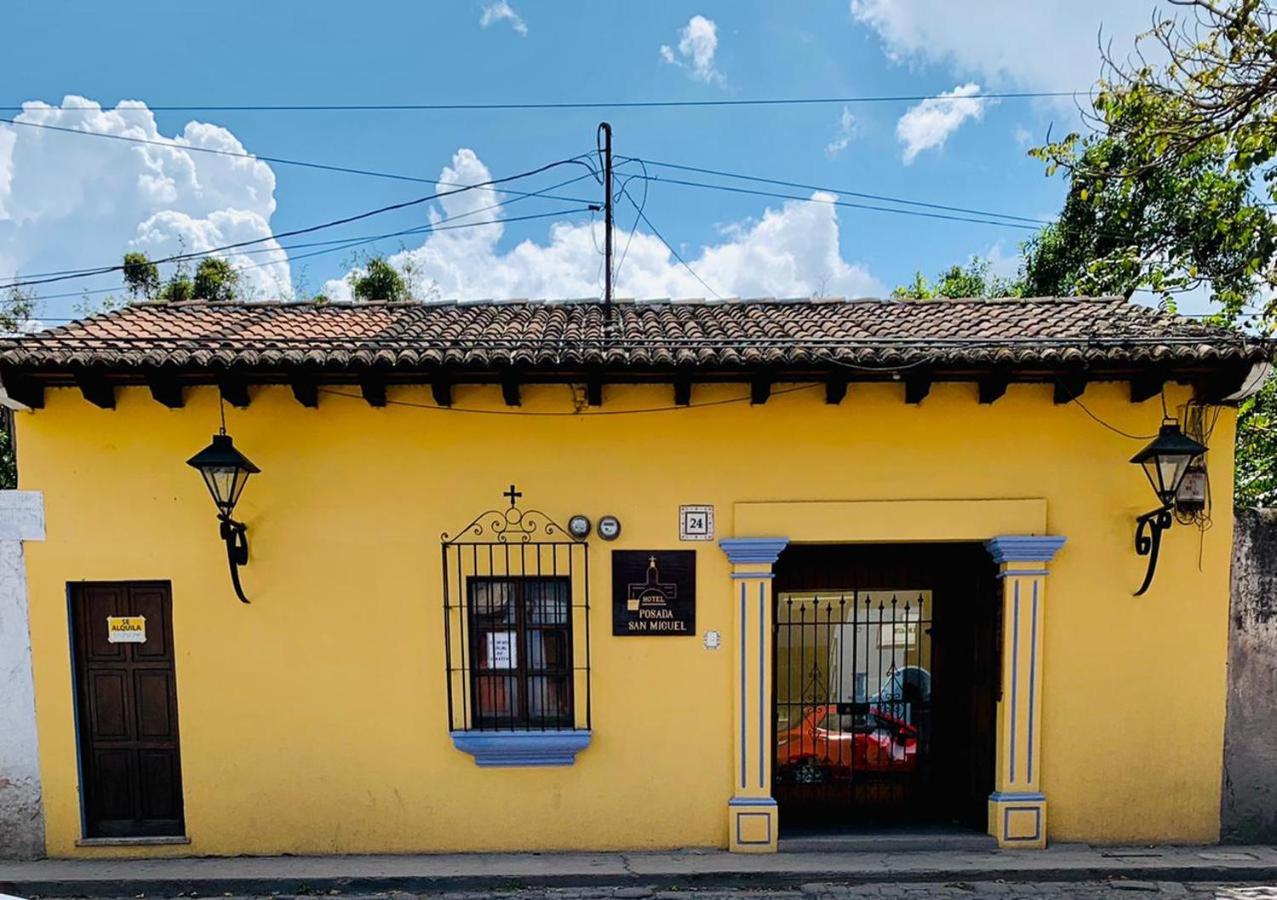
x,y
126,629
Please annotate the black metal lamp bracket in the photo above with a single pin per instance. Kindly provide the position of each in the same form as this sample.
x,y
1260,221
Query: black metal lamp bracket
x,y
235,534
1148,540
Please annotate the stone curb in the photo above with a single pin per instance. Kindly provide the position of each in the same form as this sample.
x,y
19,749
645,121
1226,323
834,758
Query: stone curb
x,y
813,881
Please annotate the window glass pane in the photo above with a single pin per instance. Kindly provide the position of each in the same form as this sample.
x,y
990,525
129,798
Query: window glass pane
x,y
546,602
521,640
493,601
496,698
549,698
547,649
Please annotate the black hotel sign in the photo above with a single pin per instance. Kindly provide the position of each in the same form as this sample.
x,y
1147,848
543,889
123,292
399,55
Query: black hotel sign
x,y
654,592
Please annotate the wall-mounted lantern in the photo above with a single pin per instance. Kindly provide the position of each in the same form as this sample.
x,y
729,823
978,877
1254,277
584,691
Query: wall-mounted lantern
x,y
226,471
1166,462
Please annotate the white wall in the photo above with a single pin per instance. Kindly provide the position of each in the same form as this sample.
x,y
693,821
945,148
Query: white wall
x,y
21,814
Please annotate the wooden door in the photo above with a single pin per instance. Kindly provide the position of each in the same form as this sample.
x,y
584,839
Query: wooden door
x,y
131,780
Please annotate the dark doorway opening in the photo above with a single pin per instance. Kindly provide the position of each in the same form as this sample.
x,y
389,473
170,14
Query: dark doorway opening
x,y
126,698
885,684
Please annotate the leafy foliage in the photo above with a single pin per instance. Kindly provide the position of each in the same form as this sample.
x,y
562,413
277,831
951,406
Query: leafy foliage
x,y
975,279
1256,475
378,280
215,279
141,276
1171,191
16,307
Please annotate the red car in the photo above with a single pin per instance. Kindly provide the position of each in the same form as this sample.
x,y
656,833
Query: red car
x,y
828,745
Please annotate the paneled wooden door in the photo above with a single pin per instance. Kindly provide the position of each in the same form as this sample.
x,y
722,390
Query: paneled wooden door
x,y
130,766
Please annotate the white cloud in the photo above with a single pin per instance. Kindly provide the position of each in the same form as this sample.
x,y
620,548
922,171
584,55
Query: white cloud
x,y
68,201
843,136
790,251
697,44
502,11
929,124
1032,45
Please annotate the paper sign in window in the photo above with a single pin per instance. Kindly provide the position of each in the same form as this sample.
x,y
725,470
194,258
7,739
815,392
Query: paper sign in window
x,y
502,650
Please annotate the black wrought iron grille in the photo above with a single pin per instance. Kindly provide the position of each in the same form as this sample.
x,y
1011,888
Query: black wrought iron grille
x,y
516,608
853,698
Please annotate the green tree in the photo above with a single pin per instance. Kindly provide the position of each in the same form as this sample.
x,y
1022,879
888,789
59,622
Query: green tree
x,y
141,276
975,279
16,307
215,279
1172,189
378,280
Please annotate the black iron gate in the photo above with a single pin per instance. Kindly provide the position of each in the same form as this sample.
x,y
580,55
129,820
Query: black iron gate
x,y
853,700
885,682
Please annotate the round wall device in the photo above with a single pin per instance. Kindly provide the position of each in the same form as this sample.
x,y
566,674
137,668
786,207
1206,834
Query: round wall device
x,y
579,527
609,528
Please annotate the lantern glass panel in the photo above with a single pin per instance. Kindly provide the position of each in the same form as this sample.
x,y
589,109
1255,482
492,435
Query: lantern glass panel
x,y
225,483
1167,459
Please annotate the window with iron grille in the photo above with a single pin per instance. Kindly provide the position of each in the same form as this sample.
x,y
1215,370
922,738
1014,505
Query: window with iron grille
x,y
516,624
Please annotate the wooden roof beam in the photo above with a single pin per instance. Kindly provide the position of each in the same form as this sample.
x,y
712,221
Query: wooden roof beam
x,y
305,391
594,390
916,388
1069,388
441,390
1147,385
760,389
234,391
373,388
510,389
991,387
682,390
96,389
166,389
835,390
23,389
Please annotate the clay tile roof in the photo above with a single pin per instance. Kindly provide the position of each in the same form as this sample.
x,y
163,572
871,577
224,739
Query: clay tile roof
x,y
571,335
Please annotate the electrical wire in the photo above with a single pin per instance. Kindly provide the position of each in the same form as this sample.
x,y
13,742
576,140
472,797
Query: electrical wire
x,y
840,191
625,251
611,412
670,247
50,277
342,244
277,160
843,203
590,104
1113,428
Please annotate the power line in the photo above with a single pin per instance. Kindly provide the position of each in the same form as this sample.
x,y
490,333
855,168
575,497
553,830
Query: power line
x,y
46,278
589,104
420,229
843,203
278,160
342,244
840,191
670,247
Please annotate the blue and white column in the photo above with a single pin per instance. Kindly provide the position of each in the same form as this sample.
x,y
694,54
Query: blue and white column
x,y
1017,806
752,820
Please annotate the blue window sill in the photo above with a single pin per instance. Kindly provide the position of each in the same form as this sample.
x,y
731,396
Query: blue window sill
x,y
522,748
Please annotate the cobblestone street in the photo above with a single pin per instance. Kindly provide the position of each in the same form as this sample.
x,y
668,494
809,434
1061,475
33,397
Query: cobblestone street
x,y
969,890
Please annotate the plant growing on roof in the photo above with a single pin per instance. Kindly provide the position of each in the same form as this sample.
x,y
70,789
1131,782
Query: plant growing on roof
x,y
215,279
377,279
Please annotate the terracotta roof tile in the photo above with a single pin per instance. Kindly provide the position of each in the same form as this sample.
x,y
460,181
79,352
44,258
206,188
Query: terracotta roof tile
x,y
571,335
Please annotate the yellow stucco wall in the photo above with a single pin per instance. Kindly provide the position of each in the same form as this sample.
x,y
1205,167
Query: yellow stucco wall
x,y
314,721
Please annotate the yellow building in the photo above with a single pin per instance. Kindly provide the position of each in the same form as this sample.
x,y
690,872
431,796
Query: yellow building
x,y
554,576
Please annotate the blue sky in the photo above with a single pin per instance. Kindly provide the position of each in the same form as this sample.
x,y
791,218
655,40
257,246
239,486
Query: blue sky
x,y
74,201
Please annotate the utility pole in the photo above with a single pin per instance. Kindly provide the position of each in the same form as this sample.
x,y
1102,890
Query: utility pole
x,y
606,130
